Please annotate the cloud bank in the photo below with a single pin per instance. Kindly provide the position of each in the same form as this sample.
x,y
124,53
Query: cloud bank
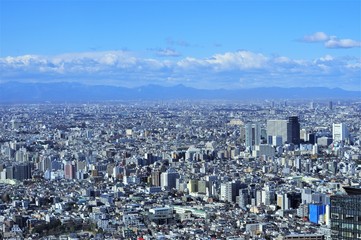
x,y
239,69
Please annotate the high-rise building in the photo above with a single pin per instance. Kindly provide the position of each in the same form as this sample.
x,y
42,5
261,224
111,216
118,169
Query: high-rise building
x,y
229,191
243,198
192,186
312,138
168,179
155,178
268,197
253,134
10,172
330,105
345,217
276,129
317,212
21,171
293,130
282,201
202,186
339,132
69,170
303,135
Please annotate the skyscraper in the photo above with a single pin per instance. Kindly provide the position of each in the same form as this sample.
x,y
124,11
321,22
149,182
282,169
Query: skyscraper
x,y
339,132
276,128
22,171
293,130
69,170
253,134
168,179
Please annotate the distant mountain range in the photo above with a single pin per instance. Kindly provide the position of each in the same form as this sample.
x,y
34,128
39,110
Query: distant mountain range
x,y
15,92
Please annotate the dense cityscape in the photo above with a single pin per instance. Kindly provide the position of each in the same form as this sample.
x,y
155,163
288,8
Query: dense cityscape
x,y
181,170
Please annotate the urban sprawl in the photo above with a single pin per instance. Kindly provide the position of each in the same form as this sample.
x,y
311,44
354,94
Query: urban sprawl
x,y
181,170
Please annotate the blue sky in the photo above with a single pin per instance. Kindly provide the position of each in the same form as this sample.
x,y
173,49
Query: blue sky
x,y
203,44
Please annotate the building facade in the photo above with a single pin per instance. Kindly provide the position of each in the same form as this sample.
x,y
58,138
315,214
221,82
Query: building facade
x,y
339,132
346,217
293,130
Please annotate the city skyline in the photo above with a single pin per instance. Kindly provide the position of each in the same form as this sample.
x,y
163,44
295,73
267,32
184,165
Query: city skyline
x,y
204,44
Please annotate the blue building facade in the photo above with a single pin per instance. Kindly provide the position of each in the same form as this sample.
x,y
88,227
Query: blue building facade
x,y
315,210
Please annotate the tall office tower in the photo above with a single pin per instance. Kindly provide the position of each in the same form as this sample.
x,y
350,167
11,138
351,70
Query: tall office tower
x,y
293,130
253,134
276,128
22,171
339,132
345,216
168,179
69,170
330,105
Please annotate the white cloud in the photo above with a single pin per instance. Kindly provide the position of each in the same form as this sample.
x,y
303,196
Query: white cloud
x,y
228,61
342,43
237,60
316,37
326,58
220,70
25,60
331,41
109,59
282,60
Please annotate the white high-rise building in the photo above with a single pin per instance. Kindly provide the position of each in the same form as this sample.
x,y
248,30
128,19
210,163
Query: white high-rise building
x,y
339,132
226,191
276,128
168,179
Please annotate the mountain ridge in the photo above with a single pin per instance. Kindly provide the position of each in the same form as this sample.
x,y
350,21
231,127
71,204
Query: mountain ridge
x,y
71,91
